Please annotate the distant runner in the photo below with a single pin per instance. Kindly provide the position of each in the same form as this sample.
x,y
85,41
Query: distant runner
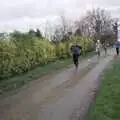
x,y
98,47
76,52
105,48
117,45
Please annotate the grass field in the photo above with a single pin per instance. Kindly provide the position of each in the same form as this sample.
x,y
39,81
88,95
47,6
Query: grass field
x,y
19,81
107,105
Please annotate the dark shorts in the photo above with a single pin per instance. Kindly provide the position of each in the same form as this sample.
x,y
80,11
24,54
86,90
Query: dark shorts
x,y
75,58
117,50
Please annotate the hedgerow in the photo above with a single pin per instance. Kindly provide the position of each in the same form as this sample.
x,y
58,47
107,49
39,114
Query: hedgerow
x,y
22,55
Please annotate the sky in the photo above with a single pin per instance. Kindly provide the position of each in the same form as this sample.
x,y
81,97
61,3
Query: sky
x,y
25,14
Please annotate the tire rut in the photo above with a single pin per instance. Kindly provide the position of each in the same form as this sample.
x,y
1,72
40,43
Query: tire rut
x,y
60,90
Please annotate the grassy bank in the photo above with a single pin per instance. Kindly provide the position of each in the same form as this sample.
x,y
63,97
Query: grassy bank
x,y
19,81
107,105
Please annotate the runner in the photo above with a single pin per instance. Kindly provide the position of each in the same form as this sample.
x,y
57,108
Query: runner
x,y
105,48
117,45
98,47
76,52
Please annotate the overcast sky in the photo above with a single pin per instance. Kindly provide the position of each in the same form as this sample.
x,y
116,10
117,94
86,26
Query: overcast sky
x,y
21,14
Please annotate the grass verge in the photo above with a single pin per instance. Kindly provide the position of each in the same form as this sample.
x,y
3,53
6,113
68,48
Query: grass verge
x,y
19,81
107,105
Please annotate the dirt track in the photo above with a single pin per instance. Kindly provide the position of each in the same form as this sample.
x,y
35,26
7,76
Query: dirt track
x,y
63,96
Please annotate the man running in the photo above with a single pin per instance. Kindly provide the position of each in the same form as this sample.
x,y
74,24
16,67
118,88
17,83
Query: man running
x,y
76,52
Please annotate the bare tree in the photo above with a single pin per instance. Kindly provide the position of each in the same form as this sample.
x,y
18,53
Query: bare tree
x,y
57,35
99,23
78,27
116,25
83,27
66,27
48,30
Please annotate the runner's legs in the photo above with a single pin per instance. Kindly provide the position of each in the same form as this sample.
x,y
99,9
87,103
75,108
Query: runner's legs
x,y
75,60
117,51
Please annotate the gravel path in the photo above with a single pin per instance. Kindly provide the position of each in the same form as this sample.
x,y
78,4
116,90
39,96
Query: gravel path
x,y
62,96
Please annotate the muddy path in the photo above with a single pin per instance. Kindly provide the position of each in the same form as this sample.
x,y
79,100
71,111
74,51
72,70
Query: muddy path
x,y
62,96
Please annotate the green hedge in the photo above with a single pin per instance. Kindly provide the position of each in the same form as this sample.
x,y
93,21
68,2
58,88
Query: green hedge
x,y
19,56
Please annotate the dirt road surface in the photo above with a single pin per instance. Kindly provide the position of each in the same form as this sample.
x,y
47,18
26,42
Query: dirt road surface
x,y
62,96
